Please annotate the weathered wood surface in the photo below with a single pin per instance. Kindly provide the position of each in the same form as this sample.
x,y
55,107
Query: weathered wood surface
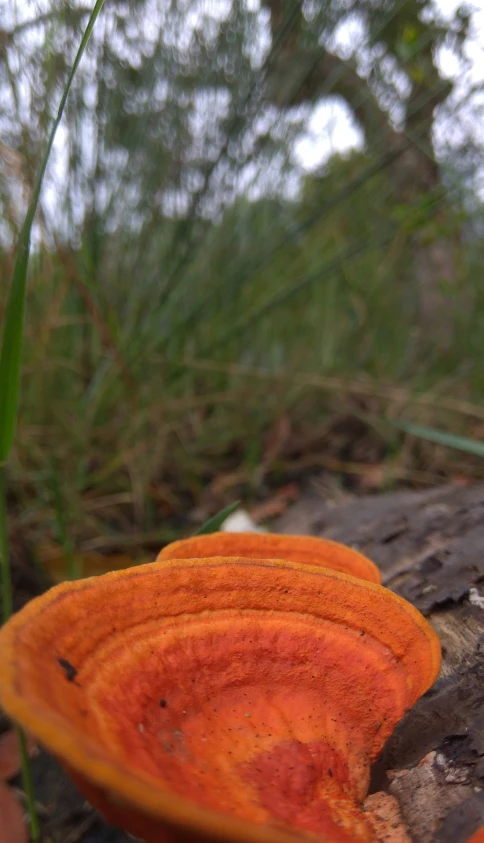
x,y
430,548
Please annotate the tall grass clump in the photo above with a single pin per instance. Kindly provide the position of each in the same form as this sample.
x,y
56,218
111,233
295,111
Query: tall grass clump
x,y
10,369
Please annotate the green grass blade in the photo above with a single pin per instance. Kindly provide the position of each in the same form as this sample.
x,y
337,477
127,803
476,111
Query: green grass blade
x,y
6,584
29,787
213,524
470,446
11,349
10,362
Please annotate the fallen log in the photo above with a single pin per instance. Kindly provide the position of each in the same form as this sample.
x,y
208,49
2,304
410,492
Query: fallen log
x,y
430,548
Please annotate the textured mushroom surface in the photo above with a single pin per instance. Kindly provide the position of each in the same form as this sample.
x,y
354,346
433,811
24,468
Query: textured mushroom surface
x,y
219,699
306,549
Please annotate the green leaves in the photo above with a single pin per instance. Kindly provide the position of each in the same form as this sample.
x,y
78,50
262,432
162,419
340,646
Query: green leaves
x,y
214,523
470,446
11,349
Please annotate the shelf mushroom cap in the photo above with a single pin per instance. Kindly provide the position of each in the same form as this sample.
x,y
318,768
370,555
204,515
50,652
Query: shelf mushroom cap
x,y
309,550
221,699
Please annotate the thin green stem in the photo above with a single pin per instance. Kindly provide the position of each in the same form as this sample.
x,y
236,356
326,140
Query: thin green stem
x,y
10,362
29,788
4,563
7,607
11,347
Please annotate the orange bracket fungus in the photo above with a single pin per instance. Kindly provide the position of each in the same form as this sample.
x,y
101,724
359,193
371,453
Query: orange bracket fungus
x,y
223,697
306,549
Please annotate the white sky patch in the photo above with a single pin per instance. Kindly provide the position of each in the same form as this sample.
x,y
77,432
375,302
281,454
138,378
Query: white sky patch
x,y
349,32
330,129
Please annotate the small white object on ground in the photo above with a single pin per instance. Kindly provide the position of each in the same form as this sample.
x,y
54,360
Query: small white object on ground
x,y
241,522
475,598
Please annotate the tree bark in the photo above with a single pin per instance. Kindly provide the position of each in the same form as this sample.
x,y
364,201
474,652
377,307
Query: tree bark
x,y
298,74
429,546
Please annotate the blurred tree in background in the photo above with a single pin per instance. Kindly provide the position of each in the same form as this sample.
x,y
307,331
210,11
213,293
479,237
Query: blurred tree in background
x,y
203,255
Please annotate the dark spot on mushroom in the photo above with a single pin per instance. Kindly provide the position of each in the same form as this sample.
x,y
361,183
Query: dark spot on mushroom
x,y
70,671
163,703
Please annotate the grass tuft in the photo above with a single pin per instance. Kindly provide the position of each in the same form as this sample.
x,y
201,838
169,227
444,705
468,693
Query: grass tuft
x,y
10,365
